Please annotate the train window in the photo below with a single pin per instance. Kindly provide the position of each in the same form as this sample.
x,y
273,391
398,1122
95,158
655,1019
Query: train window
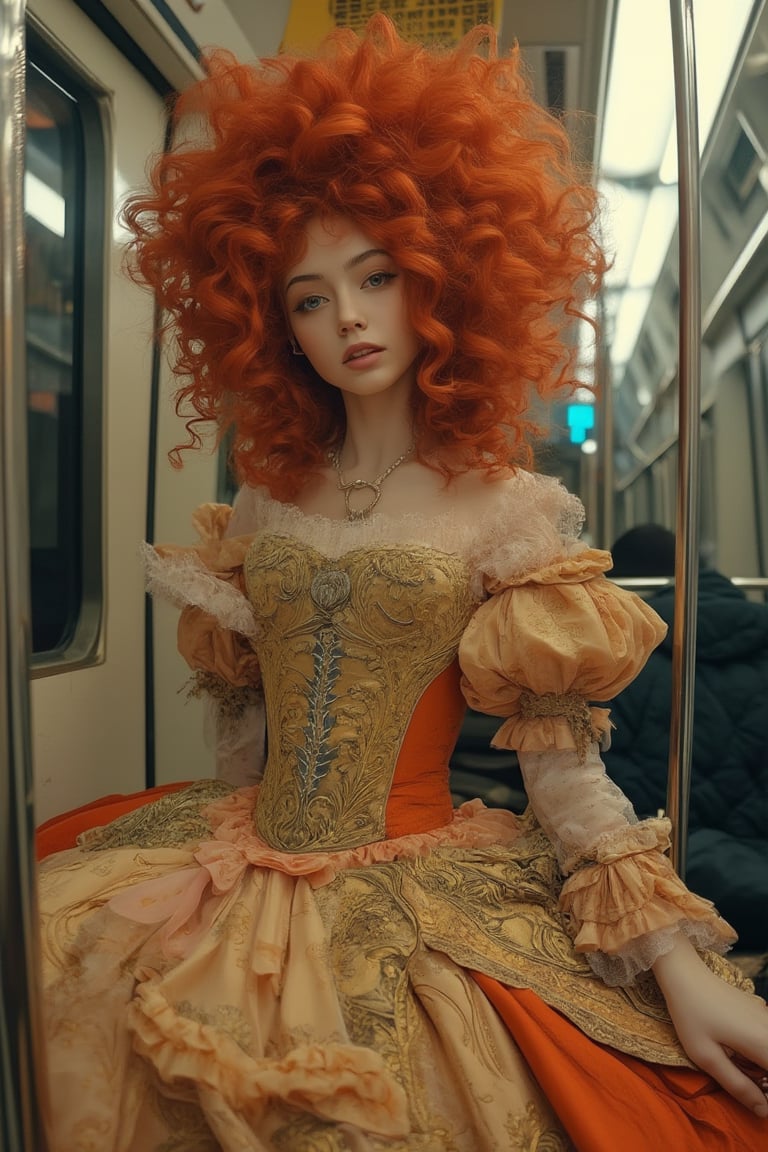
x,y
63,166
708,495
745,162
226,484
554,61
648,355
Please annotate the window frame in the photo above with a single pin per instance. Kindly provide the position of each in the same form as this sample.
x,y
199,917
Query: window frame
x,y
83,646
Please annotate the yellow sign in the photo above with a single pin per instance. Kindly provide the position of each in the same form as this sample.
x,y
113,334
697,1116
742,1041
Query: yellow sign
x,y
423,20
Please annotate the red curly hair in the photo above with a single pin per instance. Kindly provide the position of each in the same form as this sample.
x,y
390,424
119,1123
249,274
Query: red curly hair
x,y
445,160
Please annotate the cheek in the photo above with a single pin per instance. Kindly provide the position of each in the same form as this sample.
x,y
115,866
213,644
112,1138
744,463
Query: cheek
x,y
408,335
314,340
402,319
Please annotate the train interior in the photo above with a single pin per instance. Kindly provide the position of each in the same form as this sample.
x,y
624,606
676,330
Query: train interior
x,y
108,712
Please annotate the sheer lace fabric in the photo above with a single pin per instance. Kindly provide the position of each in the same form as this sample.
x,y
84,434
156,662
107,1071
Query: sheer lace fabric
x,y
531,520
183,579
240,745
576,804
623,900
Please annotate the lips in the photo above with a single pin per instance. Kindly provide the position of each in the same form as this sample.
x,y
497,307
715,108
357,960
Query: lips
x,y
358,351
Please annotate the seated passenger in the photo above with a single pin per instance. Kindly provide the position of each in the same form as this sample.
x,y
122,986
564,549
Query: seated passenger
x,y
728,823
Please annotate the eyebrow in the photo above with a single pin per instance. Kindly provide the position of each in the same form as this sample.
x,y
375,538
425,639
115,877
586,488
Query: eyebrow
x,y
353,263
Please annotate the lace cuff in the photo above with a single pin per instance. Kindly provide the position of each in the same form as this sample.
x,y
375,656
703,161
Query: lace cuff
x,y
623,902
628,903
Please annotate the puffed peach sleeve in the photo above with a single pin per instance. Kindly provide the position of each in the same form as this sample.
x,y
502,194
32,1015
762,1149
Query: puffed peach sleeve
x,y
547,642
215,634
538,652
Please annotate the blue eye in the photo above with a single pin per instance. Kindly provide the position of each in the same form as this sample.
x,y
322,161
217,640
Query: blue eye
x,y
377,279
310,303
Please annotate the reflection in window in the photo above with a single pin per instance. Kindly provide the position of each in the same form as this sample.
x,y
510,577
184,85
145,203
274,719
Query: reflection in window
x,y
53,170
226,483
64,232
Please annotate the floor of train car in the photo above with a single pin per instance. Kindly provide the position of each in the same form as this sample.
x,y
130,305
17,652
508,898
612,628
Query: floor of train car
x,y
494,776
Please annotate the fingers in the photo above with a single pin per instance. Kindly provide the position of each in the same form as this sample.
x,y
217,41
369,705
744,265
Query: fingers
x,y
753,1095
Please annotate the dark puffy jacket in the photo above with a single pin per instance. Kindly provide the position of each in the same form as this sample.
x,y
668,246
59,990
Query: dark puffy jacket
x,y
728,826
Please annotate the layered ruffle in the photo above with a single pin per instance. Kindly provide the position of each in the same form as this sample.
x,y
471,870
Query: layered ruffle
x,y
629,893
217,622
342,1083
177,901
546,644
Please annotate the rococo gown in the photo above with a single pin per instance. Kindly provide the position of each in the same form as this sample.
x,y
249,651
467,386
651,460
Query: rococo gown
x,y
336,959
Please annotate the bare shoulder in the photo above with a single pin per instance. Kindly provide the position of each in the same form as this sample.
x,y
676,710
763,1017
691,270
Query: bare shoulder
x,y
517,493
477,490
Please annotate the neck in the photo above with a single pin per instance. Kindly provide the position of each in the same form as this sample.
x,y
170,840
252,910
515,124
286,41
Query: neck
x,y
376,434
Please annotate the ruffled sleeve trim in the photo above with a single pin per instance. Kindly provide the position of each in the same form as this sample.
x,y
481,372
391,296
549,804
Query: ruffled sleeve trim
x,y
206,575
629,893
559,721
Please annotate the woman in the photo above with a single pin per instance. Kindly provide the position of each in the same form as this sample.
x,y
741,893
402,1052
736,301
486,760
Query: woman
x,y
370,268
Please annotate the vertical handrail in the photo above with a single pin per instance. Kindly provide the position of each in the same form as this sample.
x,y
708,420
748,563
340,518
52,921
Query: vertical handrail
x,y
607,447
22,1065
606,438
689,380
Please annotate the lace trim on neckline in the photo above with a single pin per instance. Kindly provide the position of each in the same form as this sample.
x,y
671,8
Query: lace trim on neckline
x,y
530,521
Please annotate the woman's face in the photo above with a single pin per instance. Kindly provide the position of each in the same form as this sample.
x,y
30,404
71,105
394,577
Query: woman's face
x,y
345,302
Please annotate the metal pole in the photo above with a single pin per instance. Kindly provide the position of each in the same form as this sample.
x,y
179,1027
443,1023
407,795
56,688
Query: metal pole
x,y
606,433
22,1066
689,380
607,449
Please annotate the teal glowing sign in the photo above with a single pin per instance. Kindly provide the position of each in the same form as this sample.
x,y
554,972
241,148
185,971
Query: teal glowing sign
x,y
580,419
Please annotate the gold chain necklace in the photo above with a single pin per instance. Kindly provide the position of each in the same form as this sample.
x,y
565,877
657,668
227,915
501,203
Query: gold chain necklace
x,y
347,487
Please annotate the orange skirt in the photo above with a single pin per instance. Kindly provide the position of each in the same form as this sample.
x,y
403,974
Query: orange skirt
x,y
61,832
608,1101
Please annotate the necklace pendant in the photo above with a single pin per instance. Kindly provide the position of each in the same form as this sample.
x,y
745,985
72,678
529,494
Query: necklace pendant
x,y
360,486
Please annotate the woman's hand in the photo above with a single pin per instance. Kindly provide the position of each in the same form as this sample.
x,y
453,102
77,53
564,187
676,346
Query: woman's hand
x,y
714,1020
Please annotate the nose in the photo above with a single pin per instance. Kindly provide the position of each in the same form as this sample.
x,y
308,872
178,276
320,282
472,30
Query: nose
x,y
350,318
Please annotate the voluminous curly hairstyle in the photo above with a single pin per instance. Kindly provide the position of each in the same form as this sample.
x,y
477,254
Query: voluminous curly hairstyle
x,y
445,160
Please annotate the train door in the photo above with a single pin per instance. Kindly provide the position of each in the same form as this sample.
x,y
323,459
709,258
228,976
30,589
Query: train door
x,y
93,121
99,416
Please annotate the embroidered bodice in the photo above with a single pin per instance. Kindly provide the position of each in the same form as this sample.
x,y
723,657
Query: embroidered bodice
x,y
347,647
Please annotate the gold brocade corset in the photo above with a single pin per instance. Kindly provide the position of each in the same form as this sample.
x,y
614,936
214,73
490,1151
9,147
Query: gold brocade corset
x,y
346,647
